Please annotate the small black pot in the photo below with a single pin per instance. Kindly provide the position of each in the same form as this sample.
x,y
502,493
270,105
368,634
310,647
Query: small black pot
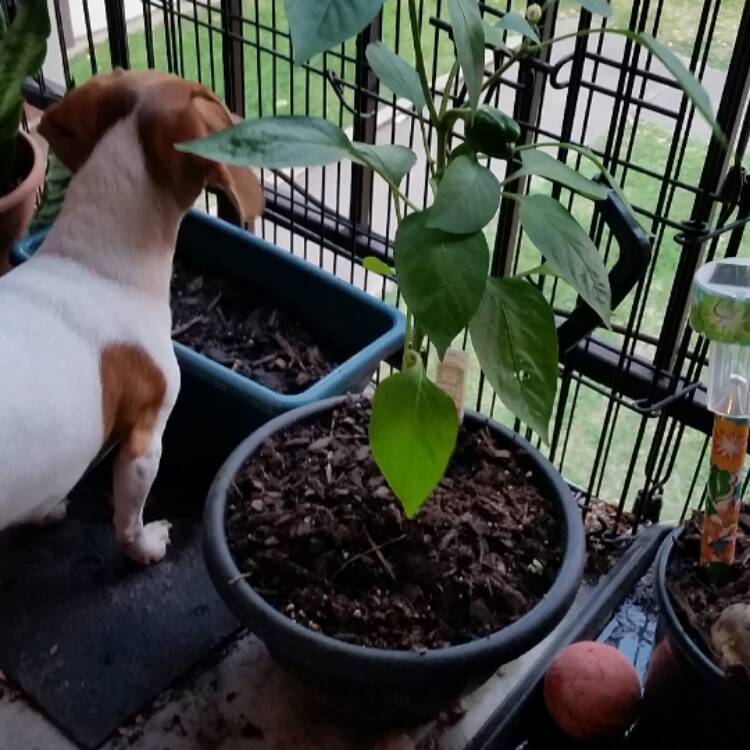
x,y
377,685
688,701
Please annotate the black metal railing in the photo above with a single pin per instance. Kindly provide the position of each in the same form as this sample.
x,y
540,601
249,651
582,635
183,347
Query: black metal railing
x,y
631,424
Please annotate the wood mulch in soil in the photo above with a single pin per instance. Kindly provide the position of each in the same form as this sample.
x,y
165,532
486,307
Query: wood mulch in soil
x,y
700,597
242,328
315,529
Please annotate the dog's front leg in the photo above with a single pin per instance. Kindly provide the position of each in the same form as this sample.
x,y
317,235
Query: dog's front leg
x,y
134,474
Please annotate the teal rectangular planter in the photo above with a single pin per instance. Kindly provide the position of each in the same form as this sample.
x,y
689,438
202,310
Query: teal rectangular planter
x,y
219,407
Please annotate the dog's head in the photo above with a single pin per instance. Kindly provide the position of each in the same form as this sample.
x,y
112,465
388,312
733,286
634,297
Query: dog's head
x,y
167,110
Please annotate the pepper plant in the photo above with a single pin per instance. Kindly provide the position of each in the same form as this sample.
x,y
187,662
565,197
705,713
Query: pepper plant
x,y
441,255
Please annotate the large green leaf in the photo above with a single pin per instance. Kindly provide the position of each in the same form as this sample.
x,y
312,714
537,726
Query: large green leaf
x,y
291,141
568,250
413,432
468,34
543,165
494,36
391,162
517,23
318,25
467,198
597,7
515,339
22,51
394,72
275,142
689,84
441,276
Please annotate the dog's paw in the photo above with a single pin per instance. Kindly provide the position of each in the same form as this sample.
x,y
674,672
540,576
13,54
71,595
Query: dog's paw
x,y
150,545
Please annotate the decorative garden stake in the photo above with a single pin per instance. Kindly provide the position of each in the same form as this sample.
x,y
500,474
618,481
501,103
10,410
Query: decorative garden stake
x,y
451,377
721,312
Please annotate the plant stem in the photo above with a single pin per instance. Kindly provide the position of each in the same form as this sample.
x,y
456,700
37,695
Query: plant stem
x,y
419,62
397,205
426,144
447,90
445,126
510,62
407,340
583,151
534,47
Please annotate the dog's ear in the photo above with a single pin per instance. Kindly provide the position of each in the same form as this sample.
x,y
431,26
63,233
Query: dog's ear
x,y
75,124
186,111
239,183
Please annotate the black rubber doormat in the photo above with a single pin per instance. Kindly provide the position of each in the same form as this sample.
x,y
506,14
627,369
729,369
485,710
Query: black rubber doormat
x,y
90,636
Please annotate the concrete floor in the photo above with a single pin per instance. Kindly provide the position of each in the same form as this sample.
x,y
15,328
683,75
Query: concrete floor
x,y
245,702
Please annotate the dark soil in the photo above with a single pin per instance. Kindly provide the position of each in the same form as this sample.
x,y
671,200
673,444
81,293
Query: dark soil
x,y
317,532
701,597
245,330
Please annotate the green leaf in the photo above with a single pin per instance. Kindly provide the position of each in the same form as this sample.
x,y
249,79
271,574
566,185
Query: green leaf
x,y
371,263
318,25
413,431
394,72
55,186
538,163
291,141
689,84
517,23
468,35
494,36
597,7
441,276
568,250
468,197
515,339
22,53
275,142
390,162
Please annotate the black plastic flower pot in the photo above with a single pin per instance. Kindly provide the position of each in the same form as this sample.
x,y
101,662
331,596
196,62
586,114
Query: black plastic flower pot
x,y
689,702
378,685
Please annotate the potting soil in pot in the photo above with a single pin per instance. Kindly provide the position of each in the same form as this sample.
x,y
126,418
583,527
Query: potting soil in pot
x,y
699,597
318,533
244,329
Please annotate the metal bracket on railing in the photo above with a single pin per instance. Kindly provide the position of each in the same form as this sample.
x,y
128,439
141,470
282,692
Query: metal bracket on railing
x,y
631,265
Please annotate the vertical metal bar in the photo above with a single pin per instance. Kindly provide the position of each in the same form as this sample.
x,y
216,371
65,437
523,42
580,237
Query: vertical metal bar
x,y
717,161
62,35
365,123
527,110
117,32
233,56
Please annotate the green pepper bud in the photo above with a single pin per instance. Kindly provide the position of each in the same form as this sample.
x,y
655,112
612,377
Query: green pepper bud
x,y
492,132
534,14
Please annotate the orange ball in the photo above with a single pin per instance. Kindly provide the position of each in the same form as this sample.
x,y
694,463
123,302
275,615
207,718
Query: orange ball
x,y
592,691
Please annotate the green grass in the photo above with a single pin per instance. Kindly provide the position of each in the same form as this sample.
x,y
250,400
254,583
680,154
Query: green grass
x,y
679,21
272,84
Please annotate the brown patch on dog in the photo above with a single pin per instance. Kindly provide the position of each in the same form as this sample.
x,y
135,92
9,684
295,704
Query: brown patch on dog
x,y
133,389
169,110
76,123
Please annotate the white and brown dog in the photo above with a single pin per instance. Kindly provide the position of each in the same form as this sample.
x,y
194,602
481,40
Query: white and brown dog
x,y
85,347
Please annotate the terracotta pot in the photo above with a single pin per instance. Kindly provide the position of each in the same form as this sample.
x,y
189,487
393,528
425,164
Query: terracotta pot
x,y
17,207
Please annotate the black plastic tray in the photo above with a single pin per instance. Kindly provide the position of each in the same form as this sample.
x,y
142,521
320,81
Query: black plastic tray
x,y
618,610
